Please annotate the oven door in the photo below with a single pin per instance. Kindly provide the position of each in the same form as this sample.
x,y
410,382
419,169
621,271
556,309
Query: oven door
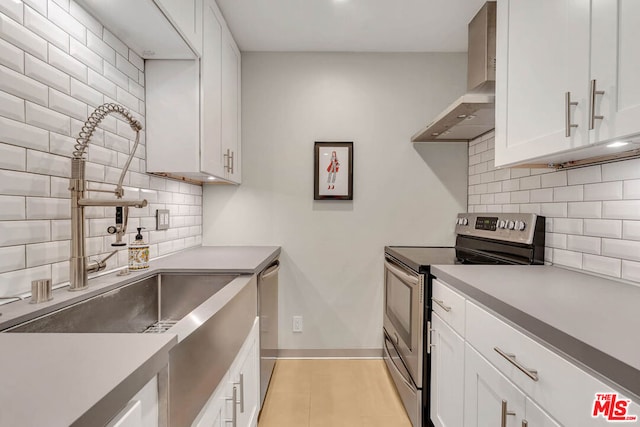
x,y
404,314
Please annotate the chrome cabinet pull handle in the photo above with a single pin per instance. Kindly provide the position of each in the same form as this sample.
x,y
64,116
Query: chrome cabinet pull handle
x,y
234,411
441,304
592,105
226,160
525,423
242,393
429,337
567,105
232,162
531,373
505,413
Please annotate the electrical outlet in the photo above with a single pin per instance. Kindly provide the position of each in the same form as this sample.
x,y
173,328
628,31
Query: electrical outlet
x,y
297,323
162,219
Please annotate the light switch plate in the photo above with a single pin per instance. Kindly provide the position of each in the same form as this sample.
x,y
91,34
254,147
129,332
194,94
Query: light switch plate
x,y
162,219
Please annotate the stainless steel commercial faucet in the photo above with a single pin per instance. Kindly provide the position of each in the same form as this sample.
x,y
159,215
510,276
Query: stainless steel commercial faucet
x,y
80,265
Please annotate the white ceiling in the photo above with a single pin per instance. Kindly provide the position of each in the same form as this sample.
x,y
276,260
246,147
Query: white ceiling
x,y
350,25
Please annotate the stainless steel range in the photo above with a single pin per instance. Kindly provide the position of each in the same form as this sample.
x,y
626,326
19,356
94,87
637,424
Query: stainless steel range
x,y
501,238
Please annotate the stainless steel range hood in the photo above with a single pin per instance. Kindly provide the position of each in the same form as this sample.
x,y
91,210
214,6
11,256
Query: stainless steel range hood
x,y
473,114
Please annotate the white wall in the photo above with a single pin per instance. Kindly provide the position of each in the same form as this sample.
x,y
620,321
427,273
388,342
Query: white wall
x,y
57,63
593,213
333,250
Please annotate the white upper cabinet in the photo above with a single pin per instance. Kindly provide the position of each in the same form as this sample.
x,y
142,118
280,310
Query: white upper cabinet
x,y
193,108
186,16
555,58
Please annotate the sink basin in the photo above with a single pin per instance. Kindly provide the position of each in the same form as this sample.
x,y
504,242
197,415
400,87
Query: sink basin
x,y
211,315
153,304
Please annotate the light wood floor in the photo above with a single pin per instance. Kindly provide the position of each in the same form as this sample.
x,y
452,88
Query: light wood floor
x,y
332,393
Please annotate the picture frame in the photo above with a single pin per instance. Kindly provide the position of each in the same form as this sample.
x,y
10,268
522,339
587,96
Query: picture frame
x,y
333,171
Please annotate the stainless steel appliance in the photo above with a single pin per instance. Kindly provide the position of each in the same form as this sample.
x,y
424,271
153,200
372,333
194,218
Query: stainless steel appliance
x,y
501,238
268,312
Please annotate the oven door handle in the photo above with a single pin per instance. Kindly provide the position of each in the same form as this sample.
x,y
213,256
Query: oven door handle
x,y
405,277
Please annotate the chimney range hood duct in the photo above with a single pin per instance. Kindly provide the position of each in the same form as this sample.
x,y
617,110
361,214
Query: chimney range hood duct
x,y
473,114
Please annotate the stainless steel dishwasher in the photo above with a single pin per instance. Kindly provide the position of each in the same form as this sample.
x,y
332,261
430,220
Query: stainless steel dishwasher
x,y
268,312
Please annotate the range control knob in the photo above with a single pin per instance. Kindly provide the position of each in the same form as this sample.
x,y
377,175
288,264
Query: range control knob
x,y
501,224
458,221
465,221
520,225
511,225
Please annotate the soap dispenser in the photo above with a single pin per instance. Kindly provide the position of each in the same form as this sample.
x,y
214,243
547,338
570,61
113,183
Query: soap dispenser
x,y
139,253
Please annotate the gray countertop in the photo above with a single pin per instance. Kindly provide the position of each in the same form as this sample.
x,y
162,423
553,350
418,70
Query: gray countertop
x,y
592,320
60,379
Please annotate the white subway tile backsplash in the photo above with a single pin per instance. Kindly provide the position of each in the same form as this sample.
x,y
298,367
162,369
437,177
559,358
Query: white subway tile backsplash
x,y
137,61
94,172
631,230
115,43
13,9
632,189
96,44
511,185
48,208
40,25
586,175
64,4
60,187
67,105
501,198
629,169
46,74
24,87
19,282
485,199
126,67
529,182
45,118
602,265
86,94
136,90
21,37
61,144
24,135
519,172
65,62
554,179
39,5
572,193
86,56
494,187
555,240
13,208
60,272
116,76
22,232
85,18
48,164
603,228
520,197
102,84
603,191
585,210
138,179
584,244
623,249
126,99
12,258
621,209
567,258
62,19
11,106
23,184
541,195
11,56
117,143
631,270
47,253
554,209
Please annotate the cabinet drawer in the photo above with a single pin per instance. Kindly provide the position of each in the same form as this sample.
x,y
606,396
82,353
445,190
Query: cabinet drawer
x,y
562,389
449,305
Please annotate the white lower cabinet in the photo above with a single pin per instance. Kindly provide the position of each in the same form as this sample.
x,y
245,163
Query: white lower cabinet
x,y
447,374
142,410
241,381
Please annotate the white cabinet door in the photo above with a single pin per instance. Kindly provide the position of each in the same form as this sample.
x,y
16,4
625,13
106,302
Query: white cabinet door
x,y
214,412
211,79
542,53
244,374
142,410
231,67
489,396
447,375
186,16
536,417
615,67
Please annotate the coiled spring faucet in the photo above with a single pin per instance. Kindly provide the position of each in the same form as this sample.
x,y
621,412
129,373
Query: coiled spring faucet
x,y
80,265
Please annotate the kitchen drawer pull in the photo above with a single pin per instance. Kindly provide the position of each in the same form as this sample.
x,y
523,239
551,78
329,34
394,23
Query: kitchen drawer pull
x,y
441,304
234,411
505,412
531,373
592,105
567,105
429,337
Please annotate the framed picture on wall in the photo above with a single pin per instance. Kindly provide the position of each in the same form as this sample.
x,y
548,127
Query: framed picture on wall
x,y
333,169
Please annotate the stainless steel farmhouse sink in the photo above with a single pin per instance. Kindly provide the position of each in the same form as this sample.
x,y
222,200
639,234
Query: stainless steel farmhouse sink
x,y
153,304
210,313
